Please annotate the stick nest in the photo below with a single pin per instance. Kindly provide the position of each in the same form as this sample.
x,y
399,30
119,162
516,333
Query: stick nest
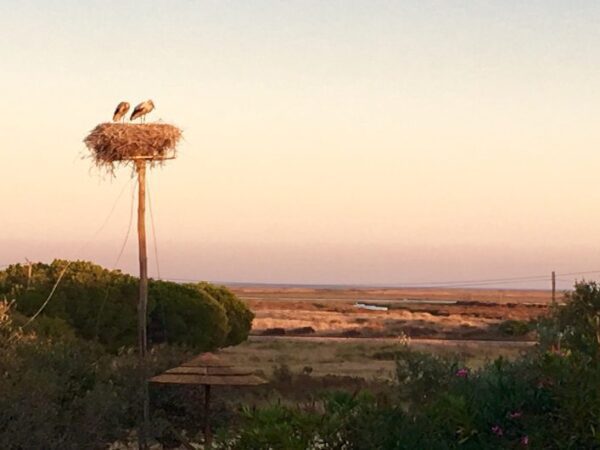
x,y
112,144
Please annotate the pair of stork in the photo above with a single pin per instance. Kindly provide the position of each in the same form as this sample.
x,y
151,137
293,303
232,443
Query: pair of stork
x,y
139,111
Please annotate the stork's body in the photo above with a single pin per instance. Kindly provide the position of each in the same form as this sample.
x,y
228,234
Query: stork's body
x,y
141,110
120,111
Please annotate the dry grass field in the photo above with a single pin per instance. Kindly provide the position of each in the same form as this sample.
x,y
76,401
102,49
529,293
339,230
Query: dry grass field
x,y
322,332
371,359
392,294
417,313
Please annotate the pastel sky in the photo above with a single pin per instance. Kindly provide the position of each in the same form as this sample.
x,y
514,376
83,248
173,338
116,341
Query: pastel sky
x,y
382,142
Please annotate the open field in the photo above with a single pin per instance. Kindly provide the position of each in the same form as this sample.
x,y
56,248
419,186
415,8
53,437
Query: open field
x,y
521,296
417,313
355,357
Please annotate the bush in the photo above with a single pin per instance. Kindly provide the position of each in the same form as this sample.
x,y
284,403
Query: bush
x,y
311,427
67,394
423,375
101,305
187,316
514,327
239,315
576,324
97,303
547,399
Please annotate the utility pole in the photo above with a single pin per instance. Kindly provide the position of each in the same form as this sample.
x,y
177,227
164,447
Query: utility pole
x,y
553,288
29,272
113,145
143,302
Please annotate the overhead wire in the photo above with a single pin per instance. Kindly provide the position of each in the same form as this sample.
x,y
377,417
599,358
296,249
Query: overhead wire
x,y
158,276
469,283
153,232
117,260
438,284
77,252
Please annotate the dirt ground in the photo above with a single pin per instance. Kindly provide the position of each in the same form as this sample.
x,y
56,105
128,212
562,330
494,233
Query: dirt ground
x,y
417,313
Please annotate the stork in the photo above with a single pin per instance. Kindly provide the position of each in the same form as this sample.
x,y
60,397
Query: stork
x,y
120,111
141,110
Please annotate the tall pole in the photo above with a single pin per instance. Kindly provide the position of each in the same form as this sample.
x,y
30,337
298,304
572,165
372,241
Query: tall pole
x,y
553,288
207,434
143,304
29,272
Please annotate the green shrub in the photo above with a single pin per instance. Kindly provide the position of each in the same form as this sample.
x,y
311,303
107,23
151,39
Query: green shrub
x,y
309,427
187,316
423,375
101,305
239,315
547,399
576,324
97,303
68,394
514,327
53,328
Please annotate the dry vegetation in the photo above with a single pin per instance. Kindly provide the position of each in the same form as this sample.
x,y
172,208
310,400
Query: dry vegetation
x,y
426,313
521,296
115,143
361,358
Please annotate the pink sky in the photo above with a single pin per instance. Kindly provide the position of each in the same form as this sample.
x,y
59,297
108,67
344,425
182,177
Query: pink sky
x,y
371,142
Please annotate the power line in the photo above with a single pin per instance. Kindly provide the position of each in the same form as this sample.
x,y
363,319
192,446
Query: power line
x,y
491,281
81,248
128,228
578,273
153,232
463,283
41,308
123,245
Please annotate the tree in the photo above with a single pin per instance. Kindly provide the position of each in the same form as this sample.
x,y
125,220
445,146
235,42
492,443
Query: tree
x,y
576,324
238,314
186,316
101,305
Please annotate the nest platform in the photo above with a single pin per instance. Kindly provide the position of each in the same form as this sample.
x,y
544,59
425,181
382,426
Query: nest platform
x,y
112,144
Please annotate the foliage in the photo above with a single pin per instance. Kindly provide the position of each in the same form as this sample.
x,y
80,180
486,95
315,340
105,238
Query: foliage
x,y
60,391
100,305
187,316
97,303
547,399
576,324
239,315
424,375
67,394
309,427
513,327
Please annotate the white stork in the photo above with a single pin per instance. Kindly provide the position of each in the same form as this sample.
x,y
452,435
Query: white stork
x,y
120,111
141,110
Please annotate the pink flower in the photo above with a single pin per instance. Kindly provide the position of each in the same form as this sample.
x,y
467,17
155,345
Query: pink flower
x,y
515,415
497,430
524,440
462,373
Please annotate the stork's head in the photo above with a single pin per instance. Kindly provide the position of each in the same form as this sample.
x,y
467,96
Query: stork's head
x,y
151,103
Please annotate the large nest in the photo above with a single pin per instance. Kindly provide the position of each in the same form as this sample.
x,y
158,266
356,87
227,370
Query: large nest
x,y
117,143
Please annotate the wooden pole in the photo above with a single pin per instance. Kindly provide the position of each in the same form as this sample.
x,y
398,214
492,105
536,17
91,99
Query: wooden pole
x,y
207,435
143,304
553,288
29,272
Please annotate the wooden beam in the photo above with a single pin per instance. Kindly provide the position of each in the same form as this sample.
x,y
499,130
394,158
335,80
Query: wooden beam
x,y
143,305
